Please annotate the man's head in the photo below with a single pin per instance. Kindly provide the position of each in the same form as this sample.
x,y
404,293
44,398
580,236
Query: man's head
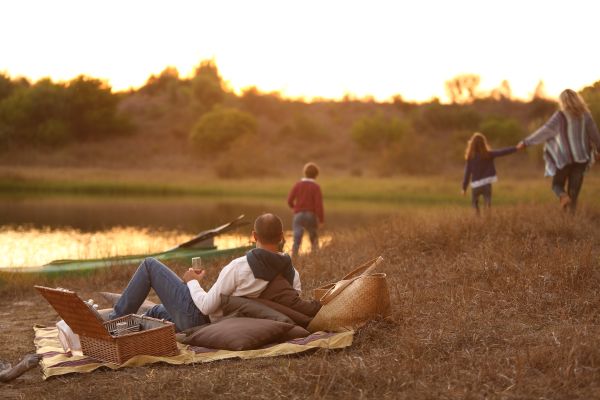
x,y
268,230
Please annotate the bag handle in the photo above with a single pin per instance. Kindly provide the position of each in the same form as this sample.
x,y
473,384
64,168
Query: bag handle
x,y
364,268
348,279
342,285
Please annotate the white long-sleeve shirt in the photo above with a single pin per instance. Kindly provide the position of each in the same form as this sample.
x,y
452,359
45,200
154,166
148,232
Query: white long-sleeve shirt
x,y
235,279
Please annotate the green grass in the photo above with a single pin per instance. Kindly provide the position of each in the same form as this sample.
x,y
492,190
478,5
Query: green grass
x,y
426,191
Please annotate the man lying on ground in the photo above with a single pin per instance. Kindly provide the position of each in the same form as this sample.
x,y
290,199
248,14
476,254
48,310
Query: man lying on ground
x,y
187,304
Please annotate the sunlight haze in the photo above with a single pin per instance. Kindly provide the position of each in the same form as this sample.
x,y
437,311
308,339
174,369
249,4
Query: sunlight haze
x,y
308,49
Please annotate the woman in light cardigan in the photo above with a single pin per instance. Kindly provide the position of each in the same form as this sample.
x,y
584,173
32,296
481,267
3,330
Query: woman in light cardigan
x,y
571,142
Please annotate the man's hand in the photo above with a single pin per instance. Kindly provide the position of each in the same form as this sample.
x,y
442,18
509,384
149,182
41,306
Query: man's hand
x,y
193,274
463,192
520,145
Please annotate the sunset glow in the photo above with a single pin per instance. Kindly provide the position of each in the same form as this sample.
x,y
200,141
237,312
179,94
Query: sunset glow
x,y
308,49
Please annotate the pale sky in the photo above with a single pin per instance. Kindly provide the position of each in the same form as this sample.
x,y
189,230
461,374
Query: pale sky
x,y
309,48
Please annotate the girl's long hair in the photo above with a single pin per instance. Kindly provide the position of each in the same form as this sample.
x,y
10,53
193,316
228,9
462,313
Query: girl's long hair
x,y
477,145
570,101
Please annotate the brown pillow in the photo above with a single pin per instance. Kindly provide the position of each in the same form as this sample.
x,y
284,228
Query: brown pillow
x,y
237,307
296,332
238,334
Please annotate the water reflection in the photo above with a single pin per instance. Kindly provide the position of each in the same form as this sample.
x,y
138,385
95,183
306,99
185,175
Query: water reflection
x,y
29,247
39,229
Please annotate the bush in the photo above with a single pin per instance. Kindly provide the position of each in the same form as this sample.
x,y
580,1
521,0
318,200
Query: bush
x,y
303,127
376,131
438,117
217,129
502,131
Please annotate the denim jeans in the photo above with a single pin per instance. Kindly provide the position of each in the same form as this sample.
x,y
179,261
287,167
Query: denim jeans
x,y
486,192
305,220
572,175
177,304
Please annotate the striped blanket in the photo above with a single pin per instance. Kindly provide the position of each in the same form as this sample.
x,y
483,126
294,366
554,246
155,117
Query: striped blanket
x,y
54,361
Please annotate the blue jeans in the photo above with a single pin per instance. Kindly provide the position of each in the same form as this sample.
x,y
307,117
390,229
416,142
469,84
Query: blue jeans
x,y
177,304
305,220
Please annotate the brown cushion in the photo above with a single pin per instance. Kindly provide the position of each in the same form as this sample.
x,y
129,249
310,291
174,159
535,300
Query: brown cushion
x,y
297,317
296,332
280,291
237,307
238,334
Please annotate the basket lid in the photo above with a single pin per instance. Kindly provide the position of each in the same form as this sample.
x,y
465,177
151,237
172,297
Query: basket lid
x,y
78,315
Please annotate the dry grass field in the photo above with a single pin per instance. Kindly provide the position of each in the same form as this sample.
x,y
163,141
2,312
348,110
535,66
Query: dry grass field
x,y
506,306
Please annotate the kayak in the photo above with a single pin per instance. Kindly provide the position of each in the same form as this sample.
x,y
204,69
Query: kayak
x,y
199,246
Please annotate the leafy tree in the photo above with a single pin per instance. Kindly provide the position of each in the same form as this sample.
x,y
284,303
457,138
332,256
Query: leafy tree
x,y
591,95
217,129
462,88
207,86
49,113
167,82
502,92
92,108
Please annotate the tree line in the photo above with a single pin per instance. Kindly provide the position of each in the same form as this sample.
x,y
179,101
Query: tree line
x,y
201,109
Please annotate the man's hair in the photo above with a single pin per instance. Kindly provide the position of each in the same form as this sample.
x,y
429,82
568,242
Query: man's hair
x,y
268,228
311,170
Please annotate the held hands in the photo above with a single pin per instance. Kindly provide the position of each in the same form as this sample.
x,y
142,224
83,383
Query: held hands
x,y
520,145
193,274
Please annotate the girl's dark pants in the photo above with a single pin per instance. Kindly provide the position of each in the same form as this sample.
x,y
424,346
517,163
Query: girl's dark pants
x,y
486,192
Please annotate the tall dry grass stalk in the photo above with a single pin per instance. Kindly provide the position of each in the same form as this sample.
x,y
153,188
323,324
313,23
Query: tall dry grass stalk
x,y
500,307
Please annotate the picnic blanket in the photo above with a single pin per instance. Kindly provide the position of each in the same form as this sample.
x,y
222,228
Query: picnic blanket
x,y
54,360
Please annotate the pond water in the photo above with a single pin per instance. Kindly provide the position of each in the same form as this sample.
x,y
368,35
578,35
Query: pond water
x,y
35,230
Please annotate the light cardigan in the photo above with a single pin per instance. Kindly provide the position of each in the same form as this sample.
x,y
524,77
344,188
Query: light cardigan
x,y
235,279
568,140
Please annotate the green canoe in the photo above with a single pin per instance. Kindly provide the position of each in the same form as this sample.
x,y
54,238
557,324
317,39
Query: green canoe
x,y
199,246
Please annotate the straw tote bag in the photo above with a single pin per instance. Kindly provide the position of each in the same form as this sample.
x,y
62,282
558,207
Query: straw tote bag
x,y
364,268
351,302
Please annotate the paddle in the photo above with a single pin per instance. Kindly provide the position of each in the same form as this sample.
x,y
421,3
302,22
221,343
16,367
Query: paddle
x,y
209,234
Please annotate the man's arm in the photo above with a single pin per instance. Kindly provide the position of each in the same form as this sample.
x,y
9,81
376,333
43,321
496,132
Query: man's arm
x,y
209,302
292,196
319,205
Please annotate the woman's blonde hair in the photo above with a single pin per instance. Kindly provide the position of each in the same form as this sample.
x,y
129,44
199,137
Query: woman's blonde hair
x,y
570,101
477,145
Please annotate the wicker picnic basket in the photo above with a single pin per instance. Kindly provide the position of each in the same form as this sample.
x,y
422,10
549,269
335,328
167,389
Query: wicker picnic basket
x,y
101,340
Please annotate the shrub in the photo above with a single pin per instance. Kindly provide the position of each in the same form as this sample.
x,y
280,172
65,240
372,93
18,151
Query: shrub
x,y
53,132
376,131
303,127
502,131
217,129
439,117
